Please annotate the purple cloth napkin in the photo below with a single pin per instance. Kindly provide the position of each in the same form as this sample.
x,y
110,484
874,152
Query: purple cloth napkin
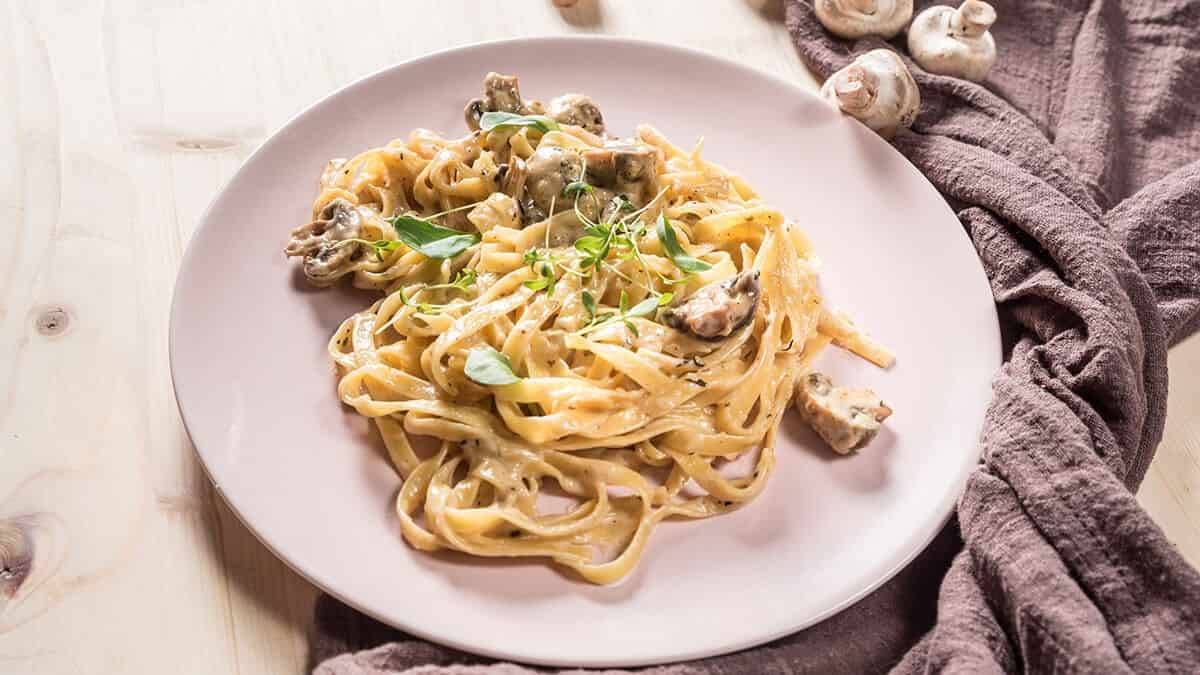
x,y
1074,170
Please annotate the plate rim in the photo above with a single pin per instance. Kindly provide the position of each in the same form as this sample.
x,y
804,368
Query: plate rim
x,y
947,504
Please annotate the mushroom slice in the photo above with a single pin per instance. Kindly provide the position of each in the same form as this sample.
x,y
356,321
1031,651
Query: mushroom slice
x,y
577,110
955,42
501,93
847,419
551,168
876,89
627,169
321,242
717,309
853,19
614,164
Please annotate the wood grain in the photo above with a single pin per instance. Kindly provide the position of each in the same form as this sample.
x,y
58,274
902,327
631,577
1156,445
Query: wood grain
x,y
118,123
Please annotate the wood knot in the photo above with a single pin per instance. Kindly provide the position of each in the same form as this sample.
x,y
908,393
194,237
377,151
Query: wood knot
x,y
51,321
16,555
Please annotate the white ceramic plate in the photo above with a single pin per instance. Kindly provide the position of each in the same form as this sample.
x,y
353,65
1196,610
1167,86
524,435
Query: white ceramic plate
x,y
256,389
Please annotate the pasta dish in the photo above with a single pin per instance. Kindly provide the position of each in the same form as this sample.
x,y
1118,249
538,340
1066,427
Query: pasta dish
x,y
599,332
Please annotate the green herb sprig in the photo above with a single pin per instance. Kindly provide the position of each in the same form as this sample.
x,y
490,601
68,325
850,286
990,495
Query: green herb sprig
x,y
462,282
500,120
644,309
489,367
432,240
670,244
546,280
577,188
380,246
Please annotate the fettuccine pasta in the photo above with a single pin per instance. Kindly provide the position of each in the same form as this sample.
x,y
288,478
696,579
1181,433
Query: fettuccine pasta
x,y
611,322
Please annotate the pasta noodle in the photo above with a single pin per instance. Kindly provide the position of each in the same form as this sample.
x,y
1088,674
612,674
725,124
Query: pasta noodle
x,y
619,417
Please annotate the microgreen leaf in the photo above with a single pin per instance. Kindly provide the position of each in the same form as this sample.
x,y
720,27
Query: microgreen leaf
x,y
462,281
589,244
623,303
665,299
622,204
546,281
644,308
673,282
379,246
589,303
685,262
488,366
432,241
464,278
632,327
422,307
495,120
576,188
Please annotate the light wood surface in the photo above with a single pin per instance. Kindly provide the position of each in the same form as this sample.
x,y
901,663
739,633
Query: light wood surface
x,y
119,122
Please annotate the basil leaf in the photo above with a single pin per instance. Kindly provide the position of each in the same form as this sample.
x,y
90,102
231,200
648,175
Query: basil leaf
x,y
430,240
494,120
589,303
644,308
685,262
490,367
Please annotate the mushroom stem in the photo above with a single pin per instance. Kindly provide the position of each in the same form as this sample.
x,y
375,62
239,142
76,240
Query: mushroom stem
x,y
856,89
877,90
973,18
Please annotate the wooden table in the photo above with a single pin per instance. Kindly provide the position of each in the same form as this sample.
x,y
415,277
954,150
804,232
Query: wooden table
x,y
119,122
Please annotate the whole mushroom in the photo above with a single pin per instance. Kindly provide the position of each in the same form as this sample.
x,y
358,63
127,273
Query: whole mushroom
x,y
955,42
853,19
877,90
